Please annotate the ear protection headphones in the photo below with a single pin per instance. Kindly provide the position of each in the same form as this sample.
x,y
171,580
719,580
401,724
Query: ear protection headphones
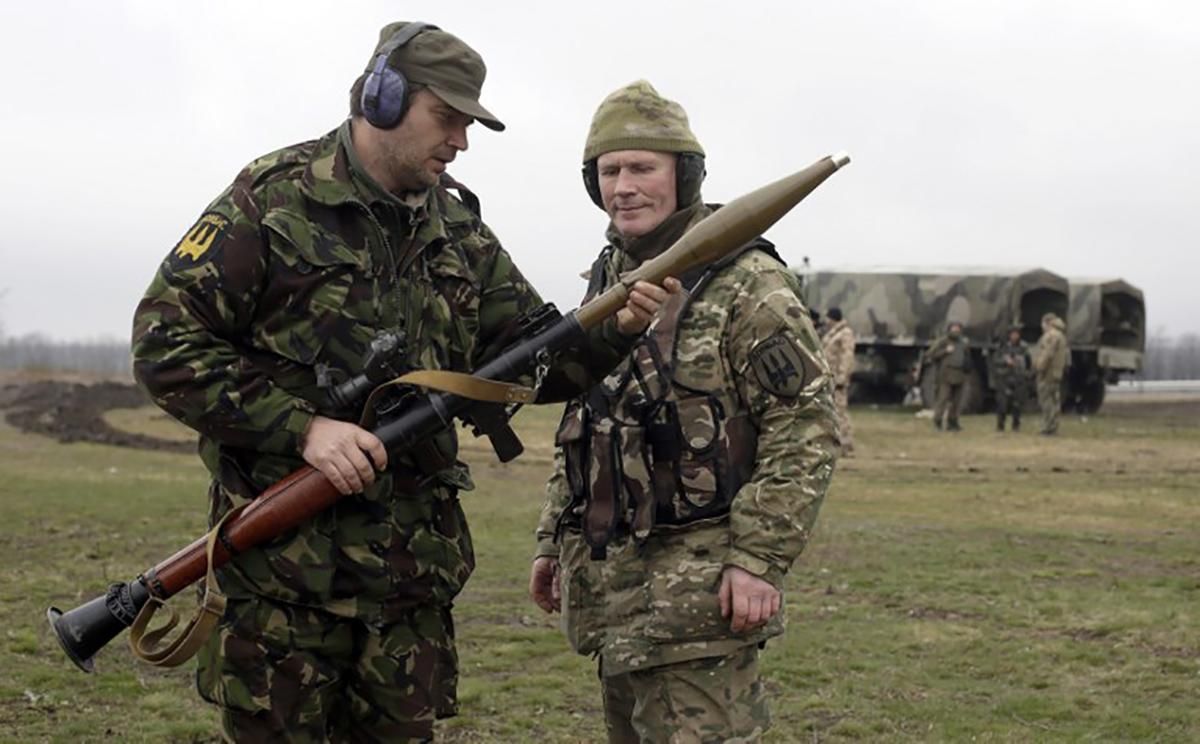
x,y
689,174
385,91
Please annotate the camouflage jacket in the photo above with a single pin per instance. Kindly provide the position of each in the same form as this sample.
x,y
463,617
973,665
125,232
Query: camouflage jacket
x,y
1010,365
654,601
1052,355
838,344
951,357
286,278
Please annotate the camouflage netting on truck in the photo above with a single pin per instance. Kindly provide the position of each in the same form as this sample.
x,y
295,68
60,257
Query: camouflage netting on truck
x,y
1106,312
911,306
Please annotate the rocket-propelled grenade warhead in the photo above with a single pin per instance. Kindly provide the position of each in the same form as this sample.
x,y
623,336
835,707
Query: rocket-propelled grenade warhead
x,y
730,227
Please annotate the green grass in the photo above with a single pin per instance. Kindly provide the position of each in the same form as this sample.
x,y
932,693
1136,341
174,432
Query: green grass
x,y
985,587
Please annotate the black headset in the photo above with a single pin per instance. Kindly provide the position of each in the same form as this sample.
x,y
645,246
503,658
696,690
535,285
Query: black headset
x,y
689,174
385,91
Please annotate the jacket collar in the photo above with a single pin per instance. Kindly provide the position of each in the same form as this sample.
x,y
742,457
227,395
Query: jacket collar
x,y
335,177
328,178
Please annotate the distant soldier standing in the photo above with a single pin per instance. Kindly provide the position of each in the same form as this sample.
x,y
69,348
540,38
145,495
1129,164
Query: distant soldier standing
x,y
1010,373
1050,362
951,357
817,321
838,341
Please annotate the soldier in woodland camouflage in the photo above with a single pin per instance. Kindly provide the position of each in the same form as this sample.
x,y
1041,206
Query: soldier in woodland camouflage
x,y
1050,363
689,480
1010,375
950,356
838,345
341,630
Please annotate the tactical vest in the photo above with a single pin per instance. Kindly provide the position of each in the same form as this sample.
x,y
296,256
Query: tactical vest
x,y
642,449
1010,376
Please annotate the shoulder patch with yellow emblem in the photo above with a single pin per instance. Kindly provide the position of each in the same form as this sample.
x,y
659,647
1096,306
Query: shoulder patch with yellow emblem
x,y
782,366
200,241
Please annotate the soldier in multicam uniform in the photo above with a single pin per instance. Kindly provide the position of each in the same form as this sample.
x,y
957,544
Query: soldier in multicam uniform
x,y
1010,374
342,630
1050,363
688,482
951,356
838,343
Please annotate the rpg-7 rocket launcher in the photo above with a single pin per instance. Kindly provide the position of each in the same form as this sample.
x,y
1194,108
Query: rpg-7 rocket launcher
x,y
306,492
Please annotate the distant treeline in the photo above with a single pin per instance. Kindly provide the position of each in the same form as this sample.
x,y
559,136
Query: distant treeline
x,y
36,353
1172,359
1165,359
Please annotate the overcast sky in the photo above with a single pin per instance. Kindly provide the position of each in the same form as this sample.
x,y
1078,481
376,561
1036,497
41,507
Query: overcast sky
x,y
1057,133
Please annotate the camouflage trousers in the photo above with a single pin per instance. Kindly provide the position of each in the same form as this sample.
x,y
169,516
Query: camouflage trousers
x,y
285,673
948,396
1049,393
709,700
1009,401
841,406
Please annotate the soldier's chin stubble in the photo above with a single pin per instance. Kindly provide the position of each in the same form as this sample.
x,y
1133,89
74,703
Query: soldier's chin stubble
x,y
408,169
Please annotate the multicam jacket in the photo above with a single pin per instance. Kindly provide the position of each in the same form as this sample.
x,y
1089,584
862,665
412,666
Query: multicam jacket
x,y
745,355
838,344
282,284
1052,356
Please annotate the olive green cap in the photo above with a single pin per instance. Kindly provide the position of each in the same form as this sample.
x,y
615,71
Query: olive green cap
x,y
442,62
636,117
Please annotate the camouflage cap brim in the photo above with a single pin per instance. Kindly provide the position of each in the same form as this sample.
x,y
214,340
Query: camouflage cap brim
x,y
469,107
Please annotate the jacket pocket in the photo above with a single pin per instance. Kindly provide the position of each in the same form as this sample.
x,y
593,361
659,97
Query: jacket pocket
x,y
296,566
683,577
584,598
635,468
453,308
700,428
319,289
570,438
432,554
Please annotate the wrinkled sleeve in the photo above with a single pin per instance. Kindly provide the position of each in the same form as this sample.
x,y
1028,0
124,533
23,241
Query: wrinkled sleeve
x,y
186,330
558,495
828,346
848,361
1062,353
935,351
506,295
839,354
773,514
1039,356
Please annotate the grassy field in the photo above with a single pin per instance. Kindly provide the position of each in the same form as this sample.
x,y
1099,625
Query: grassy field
x,y
969,587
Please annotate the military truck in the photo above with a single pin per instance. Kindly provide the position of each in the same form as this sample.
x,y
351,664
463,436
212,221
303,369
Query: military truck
x,y
896,312
1106,330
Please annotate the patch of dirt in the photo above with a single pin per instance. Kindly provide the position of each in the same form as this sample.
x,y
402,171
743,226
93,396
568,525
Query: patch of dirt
x,y
74,412
938,613
1087,634
1174,652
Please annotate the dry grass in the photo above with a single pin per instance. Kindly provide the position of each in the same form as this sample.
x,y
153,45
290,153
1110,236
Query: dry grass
x,y
961,587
